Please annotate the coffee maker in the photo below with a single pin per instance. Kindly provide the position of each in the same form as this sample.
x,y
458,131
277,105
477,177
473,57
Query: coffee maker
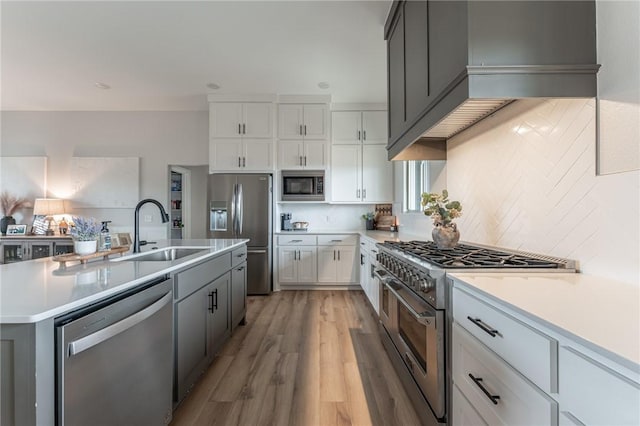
x,y
285,222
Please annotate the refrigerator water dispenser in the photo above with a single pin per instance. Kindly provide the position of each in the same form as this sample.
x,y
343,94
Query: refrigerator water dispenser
x,y
218,216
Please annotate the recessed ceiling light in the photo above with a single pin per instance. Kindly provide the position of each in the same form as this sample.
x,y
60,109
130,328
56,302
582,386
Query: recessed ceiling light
x,y
323,85
213,86
102,86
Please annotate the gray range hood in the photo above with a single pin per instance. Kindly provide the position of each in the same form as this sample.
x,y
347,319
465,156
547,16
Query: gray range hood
x,y
438,51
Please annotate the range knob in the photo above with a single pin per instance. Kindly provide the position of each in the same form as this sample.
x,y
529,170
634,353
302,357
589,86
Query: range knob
x,y
427,284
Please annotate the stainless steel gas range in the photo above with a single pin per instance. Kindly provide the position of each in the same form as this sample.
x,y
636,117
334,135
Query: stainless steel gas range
x,y
415,310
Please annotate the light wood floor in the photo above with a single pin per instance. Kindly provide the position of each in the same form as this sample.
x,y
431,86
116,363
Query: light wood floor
x,y
304,358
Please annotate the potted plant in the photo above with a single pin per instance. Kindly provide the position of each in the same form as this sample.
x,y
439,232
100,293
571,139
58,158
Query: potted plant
x,y
10,204
445,232
370,220
85,233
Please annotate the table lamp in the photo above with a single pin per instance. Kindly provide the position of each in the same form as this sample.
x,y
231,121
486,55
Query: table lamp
x,y
48,207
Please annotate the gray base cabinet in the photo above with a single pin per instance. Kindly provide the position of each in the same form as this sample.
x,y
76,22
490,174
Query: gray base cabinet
x,y
202,325
238,295
210,301
27,398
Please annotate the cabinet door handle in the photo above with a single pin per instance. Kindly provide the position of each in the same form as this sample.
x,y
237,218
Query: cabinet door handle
x,y
478,382
244,161
211,302
358,134
239,128
239,162
484,327
364,194
301,160
334,255
299,255
244,129
364,135
215,299
301,130
338,255
240,268
305,160
305,130
357,193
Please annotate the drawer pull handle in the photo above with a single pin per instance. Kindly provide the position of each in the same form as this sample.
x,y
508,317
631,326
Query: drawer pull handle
x,y
477,381
477,321
336,241
295,241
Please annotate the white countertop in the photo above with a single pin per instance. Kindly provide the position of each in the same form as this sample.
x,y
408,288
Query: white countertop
x,y
379,236
35,290
600,313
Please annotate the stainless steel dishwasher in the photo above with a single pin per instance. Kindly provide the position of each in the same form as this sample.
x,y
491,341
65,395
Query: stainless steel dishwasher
x,y
115,359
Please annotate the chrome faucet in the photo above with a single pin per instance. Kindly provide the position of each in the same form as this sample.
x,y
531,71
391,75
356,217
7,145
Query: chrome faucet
x,y
136,227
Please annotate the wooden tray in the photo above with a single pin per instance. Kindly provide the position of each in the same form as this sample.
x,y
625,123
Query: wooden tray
x,y
73,257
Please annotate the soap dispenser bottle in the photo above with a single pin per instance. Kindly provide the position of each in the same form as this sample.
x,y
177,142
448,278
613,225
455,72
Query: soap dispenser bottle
x,y
105,237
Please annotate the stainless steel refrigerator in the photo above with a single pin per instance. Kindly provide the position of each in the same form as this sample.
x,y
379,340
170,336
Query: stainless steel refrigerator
x,y
240,206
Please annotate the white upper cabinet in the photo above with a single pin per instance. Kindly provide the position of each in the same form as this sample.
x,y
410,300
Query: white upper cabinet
x,y
377,174
241,136
257,120
353,127
225,120
237,120
302,121
360,172
346,173
346,127
374,127
299,154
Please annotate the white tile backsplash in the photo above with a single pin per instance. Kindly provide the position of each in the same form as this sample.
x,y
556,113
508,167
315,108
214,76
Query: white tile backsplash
x,y
526,180
323,217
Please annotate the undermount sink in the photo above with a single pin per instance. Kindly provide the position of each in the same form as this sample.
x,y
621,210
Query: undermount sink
x,y
162,255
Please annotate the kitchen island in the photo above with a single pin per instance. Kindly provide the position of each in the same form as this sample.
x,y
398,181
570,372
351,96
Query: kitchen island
x,y
34,293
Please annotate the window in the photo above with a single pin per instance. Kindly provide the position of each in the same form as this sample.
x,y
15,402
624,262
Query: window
x,y
420,177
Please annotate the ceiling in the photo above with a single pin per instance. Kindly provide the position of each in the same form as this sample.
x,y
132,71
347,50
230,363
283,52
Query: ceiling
x,y
160,55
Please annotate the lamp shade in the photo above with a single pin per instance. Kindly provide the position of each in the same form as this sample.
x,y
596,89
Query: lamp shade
x,y
48,206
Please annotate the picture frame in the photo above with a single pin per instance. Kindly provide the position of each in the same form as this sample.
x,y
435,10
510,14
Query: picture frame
x,y
40,225
120,240
17,230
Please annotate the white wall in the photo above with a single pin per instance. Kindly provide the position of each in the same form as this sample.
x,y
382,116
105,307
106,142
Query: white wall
x,y
526,179
158,138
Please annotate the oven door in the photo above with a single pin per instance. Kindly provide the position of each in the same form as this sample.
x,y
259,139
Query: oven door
x,y
387,302
421,342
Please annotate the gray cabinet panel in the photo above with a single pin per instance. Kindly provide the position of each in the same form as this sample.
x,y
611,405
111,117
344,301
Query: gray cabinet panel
x,y
193,278
219,322
532,32
27,397
396,77
238,295
447,48
416,27
191,340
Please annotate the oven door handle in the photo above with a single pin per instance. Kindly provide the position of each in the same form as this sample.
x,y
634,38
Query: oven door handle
x,y
426,318
382,278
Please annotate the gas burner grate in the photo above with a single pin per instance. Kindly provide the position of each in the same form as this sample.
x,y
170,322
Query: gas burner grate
x,y
468,256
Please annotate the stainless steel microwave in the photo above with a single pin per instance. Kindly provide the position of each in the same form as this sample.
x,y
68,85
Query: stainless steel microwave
x,y
303,185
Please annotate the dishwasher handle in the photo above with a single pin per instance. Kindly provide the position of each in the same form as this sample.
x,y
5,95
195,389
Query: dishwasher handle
x,y
106,333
